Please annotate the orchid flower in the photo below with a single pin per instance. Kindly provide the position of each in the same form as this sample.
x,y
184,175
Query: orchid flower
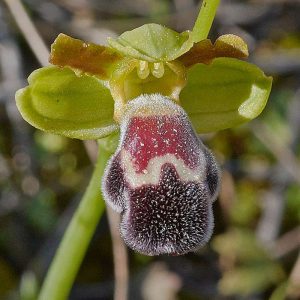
x,y
160,89
162,179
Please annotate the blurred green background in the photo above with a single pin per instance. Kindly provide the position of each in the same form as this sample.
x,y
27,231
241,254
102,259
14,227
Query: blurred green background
x,y
254,251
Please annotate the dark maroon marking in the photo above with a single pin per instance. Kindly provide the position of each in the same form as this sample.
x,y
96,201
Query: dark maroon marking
x,y
172,217
212,172
152,136
114,183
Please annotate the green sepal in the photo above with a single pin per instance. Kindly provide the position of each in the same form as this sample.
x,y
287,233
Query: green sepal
x,y
152,43
60,102
225,93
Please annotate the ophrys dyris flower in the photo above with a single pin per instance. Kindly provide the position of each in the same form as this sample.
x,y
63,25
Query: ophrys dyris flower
x,y
152,84
162,179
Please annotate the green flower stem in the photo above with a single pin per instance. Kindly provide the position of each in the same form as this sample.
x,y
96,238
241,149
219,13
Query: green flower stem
x,y
71,251
205,19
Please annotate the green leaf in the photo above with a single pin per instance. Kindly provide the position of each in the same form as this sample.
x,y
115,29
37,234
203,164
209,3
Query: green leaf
x,y
152,42
251,279
249,267
226,93
60,102
29,286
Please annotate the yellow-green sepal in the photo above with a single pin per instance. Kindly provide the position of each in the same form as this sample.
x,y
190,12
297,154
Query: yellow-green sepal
x,y
152,43
224,94
60,102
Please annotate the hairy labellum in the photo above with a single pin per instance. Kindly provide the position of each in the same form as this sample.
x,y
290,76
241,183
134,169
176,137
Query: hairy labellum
x,y
162,179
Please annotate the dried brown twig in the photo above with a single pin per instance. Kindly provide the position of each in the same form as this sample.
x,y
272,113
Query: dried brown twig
x,y
29,31
120,257
119,249
41,52
287,242
293,290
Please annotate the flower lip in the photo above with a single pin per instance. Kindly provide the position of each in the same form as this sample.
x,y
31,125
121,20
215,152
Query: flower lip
x,y
164,218
164,187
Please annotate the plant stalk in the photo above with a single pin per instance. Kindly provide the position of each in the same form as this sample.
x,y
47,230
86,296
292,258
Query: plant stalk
x,y
77,237
205,19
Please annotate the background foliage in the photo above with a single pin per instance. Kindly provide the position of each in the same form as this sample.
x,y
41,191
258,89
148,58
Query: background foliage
x,y
254,252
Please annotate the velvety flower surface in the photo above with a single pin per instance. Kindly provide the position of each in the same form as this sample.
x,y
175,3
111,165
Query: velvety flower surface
x,y
162,178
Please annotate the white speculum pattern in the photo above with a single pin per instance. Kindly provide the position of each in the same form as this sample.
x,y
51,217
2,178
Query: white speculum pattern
x,y
162,179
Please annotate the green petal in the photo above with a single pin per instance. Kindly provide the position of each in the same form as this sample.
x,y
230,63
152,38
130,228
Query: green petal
x,y
226,93
82,57
153,42
60,102
228,45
